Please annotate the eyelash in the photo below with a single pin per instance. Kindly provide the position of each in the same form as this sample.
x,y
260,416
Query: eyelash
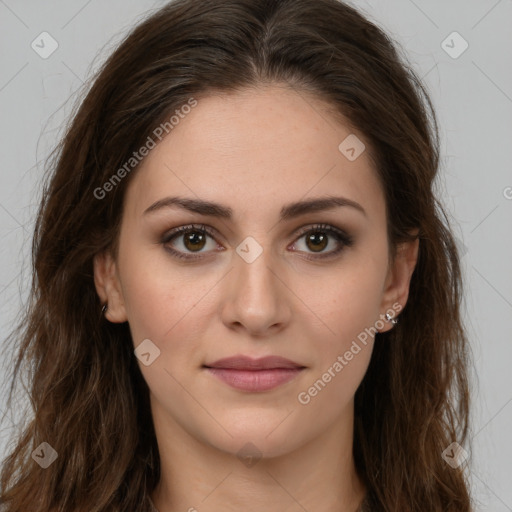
x,y
340,236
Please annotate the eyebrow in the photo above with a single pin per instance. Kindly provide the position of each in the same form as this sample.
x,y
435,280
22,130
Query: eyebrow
x,y
288,211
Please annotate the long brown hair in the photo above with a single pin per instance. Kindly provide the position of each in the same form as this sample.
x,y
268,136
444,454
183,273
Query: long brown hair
x,y
90,402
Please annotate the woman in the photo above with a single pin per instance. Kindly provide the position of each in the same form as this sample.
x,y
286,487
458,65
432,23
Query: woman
x,y
246,295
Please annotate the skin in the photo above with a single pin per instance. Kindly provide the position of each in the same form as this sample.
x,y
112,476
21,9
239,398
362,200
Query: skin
x,y
254,151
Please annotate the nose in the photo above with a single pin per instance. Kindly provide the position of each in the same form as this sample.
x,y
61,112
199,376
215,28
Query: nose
x,y
256,297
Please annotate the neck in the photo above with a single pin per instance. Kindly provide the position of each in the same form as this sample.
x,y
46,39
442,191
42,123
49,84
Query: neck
x,y
319,475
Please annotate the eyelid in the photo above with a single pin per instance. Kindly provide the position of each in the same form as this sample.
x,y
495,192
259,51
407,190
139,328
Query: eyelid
x,y
320,226
169,235
342,237
176,232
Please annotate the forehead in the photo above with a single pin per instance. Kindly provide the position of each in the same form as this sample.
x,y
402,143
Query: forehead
x,y
255,150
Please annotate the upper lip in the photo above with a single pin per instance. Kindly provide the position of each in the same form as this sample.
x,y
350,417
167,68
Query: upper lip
x,y
248,363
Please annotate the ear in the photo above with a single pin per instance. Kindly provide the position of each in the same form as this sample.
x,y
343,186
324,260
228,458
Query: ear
x,y
108,287
398,279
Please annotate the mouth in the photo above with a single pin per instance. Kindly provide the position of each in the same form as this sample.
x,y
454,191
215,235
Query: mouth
x,y
254,375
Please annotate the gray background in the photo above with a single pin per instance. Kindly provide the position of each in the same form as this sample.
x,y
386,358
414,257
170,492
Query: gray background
x,y
473,98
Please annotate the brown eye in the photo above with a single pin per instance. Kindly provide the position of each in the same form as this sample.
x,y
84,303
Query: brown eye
x,y
191,242
318,238
194,240
184,241
317,241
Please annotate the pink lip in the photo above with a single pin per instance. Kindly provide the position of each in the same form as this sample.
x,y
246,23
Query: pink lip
x,y
248,363
249,374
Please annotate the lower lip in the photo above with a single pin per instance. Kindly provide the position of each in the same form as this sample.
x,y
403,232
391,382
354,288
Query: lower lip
x,y
255,380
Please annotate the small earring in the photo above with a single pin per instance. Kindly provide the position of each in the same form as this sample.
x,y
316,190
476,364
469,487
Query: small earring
x,y
104,308
389,318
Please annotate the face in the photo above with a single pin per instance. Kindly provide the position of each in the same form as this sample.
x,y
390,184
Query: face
x,y
262,279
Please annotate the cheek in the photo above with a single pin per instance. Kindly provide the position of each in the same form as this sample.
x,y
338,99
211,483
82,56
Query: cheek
x,y
348,300
344,344
148,288
348,306
145,296
164,304
163,311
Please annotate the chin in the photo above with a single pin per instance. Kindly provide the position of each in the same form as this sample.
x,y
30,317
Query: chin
x,y
257,439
